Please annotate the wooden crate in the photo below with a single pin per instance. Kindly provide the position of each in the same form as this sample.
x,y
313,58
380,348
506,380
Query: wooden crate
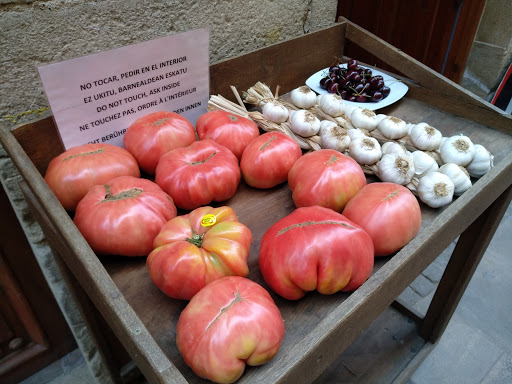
x,y
318,328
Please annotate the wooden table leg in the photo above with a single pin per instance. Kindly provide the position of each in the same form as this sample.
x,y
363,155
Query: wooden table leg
x,y
112,373
465,258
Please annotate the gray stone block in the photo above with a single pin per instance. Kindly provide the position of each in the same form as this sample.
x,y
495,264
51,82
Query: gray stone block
x,y
422,286
501,372
462,355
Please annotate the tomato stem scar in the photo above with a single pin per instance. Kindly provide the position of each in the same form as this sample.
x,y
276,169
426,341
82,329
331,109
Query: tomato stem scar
x,y
331,160
328,222
203,161
268,143
128,194
391,195
84,154
237,298
160,122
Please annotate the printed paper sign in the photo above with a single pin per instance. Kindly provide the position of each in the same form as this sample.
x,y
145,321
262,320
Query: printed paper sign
x,y
95,98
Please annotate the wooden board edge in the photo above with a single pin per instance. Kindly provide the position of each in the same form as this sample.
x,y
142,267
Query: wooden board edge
x,y
417,71
89,271
335,335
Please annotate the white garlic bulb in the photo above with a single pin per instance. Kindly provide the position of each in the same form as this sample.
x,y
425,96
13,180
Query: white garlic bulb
x,y
303,97
423,163
435,189
458,175
457,149
365,150
424,137
304,123
275,112
396,168
364,119
333,136
332,104
392,127
357,133
481,163
349,108
392,147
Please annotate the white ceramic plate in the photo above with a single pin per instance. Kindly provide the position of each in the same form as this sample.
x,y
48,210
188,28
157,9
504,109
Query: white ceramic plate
x,y
397,88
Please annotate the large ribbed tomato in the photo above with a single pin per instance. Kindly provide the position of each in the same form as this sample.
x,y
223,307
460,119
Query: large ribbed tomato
x,y
326,178
228,324
155,134
196,249
389,212
198,174
71,174
315,248
232,131
123,216
267,159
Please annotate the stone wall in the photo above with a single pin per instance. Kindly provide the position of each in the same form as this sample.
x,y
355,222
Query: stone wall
x,y
491,54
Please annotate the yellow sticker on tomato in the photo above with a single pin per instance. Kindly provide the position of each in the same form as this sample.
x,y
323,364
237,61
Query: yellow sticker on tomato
x,y
208,220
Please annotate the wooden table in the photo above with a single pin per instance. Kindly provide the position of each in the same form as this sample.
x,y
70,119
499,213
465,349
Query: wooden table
x,y
318,328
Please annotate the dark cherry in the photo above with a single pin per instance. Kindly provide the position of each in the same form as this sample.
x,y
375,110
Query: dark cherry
x,y
352,64
385,91
324,82
359,88
377,96
334,69
333,88
343,82
362,98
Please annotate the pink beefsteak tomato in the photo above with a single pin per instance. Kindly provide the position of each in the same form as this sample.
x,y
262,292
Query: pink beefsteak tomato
x,y
230,130
267,159
198,174
123,216
155,134
195,249
325,177
315,248
71,174
389,212
229,323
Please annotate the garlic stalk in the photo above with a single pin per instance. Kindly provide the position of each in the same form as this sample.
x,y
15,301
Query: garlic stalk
x,y
303,97
457,149
365,150
424,137
275,112
332,104
396,168
481,163
423,163
364,119
333,136
392,127
392,147
304,123
458,175
435,189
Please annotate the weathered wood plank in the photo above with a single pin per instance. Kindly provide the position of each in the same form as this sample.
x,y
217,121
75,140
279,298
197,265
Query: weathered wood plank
x,y
430,79
287,64
318,327
89,272
468,252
